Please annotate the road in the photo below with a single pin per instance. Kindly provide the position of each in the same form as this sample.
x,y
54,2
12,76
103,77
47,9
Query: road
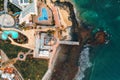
x,y
52,62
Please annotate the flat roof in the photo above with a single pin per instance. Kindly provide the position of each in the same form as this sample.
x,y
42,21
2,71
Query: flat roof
x,y
44,53
7,20
29,9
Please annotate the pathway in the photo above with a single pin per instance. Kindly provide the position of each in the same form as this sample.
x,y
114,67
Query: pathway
x,y
30,34
5,59
5,5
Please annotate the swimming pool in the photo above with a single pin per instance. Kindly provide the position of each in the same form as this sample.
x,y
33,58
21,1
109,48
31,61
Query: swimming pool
x,y
17,13
44,15
13,34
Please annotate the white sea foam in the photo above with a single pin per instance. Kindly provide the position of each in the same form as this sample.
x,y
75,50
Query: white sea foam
x,y
84,63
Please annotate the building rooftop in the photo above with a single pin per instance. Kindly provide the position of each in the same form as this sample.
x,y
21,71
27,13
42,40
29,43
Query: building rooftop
x,y
28,9
7,20
15,1
44,53
9,70
41,49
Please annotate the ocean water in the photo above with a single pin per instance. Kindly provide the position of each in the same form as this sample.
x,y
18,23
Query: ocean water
x,y
105,58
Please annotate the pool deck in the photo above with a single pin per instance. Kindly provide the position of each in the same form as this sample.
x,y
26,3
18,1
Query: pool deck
x,y
45,22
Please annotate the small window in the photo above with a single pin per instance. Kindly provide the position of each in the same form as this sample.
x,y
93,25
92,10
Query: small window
x,y
21,1
26,1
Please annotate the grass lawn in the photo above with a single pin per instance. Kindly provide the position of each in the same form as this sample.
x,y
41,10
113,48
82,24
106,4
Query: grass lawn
x,y
32,69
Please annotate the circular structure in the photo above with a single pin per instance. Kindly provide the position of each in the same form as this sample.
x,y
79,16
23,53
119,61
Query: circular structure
x,y
7,20
21,56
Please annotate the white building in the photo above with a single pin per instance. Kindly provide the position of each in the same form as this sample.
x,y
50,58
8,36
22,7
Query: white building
x,y
44,53
27,9
20,3
41,50
7,76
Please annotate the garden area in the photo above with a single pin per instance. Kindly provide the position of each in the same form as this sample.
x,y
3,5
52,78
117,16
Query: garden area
x,y
1,5
33,69
22,39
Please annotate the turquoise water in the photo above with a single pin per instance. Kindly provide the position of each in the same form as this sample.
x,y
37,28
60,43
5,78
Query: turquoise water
x,y
103,14
44,15
5,34
17,13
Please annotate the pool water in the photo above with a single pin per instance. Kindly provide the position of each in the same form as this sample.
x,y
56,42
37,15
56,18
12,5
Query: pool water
x,y
13,34
44,15
17,13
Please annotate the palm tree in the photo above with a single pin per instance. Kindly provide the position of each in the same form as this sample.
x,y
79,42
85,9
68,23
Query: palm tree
x,y
50,32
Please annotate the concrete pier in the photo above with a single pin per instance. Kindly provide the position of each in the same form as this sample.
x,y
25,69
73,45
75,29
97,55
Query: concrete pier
x,y
69,42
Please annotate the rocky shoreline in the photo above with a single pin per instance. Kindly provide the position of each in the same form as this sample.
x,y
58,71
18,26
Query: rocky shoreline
x,y
67,65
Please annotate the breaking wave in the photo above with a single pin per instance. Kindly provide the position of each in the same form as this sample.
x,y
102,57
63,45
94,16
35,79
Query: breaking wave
x,y
84,62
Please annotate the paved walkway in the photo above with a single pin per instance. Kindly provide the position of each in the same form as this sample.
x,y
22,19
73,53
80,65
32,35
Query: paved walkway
x,y
7,20
5,5
24,55
30,34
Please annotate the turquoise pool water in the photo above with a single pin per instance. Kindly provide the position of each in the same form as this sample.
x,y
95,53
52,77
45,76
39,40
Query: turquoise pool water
x,y
44,15
17,13
103,14
13,34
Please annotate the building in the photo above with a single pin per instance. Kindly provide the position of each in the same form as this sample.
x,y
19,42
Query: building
x,y
7,76
20,3
8,70
28,7
42,50
8,73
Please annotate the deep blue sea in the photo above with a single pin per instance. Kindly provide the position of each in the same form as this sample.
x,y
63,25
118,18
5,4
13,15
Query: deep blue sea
x,y
103,14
